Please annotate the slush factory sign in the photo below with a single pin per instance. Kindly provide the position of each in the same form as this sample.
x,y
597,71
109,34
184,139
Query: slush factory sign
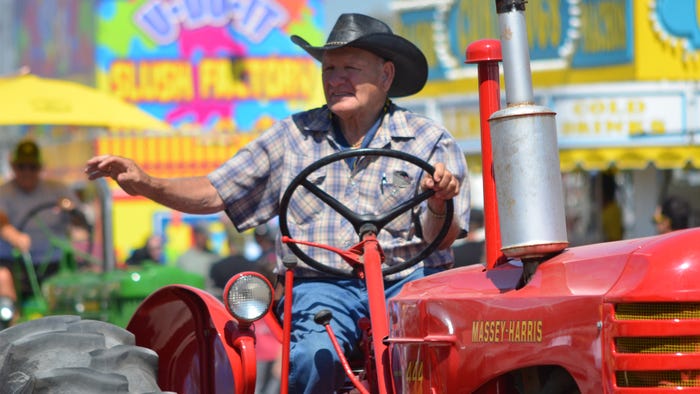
x,y
221,66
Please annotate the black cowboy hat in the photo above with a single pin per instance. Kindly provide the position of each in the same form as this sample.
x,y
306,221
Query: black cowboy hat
x,y
373,35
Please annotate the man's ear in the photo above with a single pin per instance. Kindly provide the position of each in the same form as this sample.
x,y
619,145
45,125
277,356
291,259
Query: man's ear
x,y
388,74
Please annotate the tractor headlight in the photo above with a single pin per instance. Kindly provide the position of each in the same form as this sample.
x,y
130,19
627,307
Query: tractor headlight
x,y
248,296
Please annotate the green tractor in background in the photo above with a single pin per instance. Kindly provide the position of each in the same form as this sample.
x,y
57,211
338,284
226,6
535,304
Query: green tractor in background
x,y
111,296
85,285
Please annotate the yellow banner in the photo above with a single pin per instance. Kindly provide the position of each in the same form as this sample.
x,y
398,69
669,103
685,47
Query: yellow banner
x,y
667,37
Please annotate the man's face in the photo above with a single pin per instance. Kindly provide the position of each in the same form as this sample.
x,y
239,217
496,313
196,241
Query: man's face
x,y
26,175
355,80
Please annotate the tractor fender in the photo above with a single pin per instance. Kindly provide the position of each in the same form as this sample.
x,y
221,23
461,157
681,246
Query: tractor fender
x,y
201,347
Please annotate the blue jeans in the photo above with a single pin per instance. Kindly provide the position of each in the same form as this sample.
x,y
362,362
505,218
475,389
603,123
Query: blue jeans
x,y
314,364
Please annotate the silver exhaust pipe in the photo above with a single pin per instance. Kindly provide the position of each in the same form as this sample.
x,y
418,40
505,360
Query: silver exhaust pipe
x,y
525,152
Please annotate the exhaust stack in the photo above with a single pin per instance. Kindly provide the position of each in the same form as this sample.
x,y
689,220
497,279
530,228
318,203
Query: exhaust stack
x,y
525,152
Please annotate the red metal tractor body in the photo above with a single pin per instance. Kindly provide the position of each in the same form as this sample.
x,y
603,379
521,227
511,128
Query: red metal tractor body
x,y
201,349
616,317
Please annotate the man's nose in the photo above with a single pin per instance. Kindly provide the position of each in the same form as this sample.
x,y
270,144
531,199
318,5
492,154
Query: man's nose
x,y
335,77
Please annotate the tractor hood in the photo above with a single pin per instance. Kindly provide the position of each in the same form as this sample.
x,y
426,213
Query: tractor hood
x,y
488,322
664,267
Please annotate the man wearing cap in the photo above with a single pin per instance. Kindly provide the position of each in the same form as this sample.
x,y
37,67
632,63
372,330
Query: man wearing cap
x,y
22,198
363,65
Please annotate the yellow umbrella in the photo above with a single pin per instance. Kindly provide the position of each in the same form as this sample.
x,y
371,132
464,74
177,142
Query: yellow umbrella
x,y
30,100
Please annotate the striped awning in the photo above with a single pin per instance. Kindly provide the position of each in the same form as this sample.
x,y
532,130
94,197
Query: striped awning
x,y
622,158
175,155
630,158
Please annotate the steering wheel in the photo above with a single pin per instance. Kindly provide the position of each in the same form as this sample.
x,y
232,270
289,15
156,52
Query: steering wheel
x,y
362,222
63,206
38,209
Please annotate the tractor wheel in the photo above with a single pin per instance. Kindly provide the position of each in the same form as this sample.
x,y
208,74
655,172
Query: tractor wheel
x,y
65,354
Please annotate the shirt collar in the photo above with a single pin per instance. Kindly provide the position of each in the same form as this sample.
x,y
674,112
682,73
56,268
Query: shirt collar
x,y
398,126
394,121
320,123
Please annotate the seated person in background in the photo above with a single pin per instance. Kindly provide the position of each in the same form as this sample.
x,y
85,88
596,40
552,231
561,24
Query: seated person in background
x,y
40,208
151,251
672,214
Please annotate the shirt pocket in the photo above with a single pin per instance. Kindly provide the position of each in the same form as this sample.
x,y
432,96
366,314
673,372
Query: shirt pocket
x,y
399,184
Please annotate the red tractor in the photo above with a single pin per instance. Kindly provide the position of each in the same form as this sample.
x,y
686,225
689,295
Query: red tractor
x,y
539,317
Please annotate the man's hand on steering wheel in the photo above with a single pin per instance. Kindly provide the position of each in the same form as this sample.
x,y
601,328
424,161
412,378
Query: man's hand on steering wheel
x,y
446,186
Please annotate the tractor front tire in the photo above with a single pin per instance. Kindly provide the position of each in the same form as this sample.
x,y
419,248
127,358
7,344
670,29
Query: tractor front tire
x,y
65,354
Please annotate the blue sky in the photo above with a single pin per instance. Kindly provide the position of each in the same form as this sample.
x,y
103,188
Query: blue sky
x,y
334,8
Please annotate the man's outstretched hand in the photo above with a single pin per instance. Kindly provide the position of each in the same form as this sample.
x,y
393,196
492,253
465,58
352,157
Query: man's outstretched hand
x,y
130,177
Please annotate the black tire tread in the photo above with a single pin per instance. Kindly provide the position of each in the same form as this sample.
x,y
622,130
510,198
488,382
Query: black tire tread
x,y
64,354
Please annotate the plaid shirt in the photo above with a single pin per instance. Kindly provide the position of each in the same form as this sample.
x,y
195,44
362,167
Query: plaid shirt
x,y
253,181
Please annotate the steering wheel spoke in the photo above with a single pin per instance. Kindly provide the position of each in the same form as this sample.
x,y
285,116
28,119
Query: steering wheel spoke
x,y
407,205
337,206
